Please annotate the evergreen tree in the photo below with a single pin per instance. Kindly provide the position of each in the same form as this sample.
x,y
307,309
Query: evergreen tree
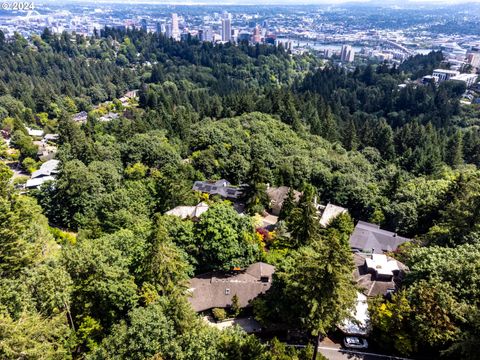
x,y
316,284
454,150
350,141
288,205
303,222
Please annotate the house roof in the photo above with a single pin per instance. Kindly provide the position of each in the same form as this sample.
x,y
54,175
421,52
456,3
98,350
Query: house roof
x,y
220,187
367,281
80,117
381,264
185,212
216,289
34,132
48,168
277,196
331,212
370,237
33,183
51,137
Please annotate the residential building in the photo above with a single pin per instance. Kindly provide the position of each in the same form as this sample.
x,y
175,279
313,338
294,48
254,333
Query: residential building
x,y
468,79
47,172
370,238
377,274
441,75
219,187
277,196
80,117
189,212
329,213
34,132
216,289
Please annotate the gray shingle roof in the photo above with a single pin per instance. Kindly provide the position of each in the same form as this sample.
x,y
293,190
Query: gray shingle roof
x,y
370,237
216,289
48,168
220,187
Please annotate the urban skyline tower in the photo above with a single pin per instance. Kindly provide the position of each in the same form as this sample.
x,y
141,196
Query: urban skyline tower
x,y
175,31
347,54
226,27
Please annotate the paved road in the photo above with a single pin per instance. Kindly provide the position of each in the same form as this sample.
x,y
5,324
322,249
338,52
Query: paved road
x,y
333,353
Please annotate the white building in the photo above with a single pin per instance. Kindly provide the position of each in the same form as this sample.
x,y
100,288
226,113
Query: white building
x,y
468,79
175,31
444,74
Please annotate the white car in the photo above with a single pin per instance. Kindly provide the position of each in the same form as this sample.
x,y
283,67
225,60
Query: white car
x,y
353,342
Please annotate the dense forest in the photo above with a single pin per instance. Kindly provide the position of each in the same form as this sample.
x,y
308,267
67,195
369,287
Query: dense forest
x,y
90,266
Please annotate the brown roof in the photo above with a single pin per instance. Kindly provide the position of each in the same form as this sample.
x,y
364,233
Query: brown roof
x,y
277,196
367,282
216,289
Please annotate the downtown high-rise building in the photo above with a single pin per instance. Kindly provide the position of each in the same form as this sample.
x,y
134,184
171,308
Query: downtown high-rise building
x,y
174,30
257,35
226,27
206,34
347,54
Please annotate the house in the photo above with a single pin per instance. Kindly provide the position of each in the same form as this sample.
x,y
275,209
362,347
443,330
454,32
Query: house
x,y
370,238
374,274
189,212
34,132
108,117
51,137
47,172
377,274
220,187
45,151
329,213
277,196
80,117
216,289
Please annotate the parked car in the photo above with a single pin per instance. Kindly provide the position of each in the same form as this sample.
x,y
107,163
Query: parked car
x,y
353,342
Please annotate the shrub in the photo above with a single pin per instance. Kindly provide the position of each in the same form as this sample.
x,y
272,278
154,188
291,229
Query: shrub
x,y
219,314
